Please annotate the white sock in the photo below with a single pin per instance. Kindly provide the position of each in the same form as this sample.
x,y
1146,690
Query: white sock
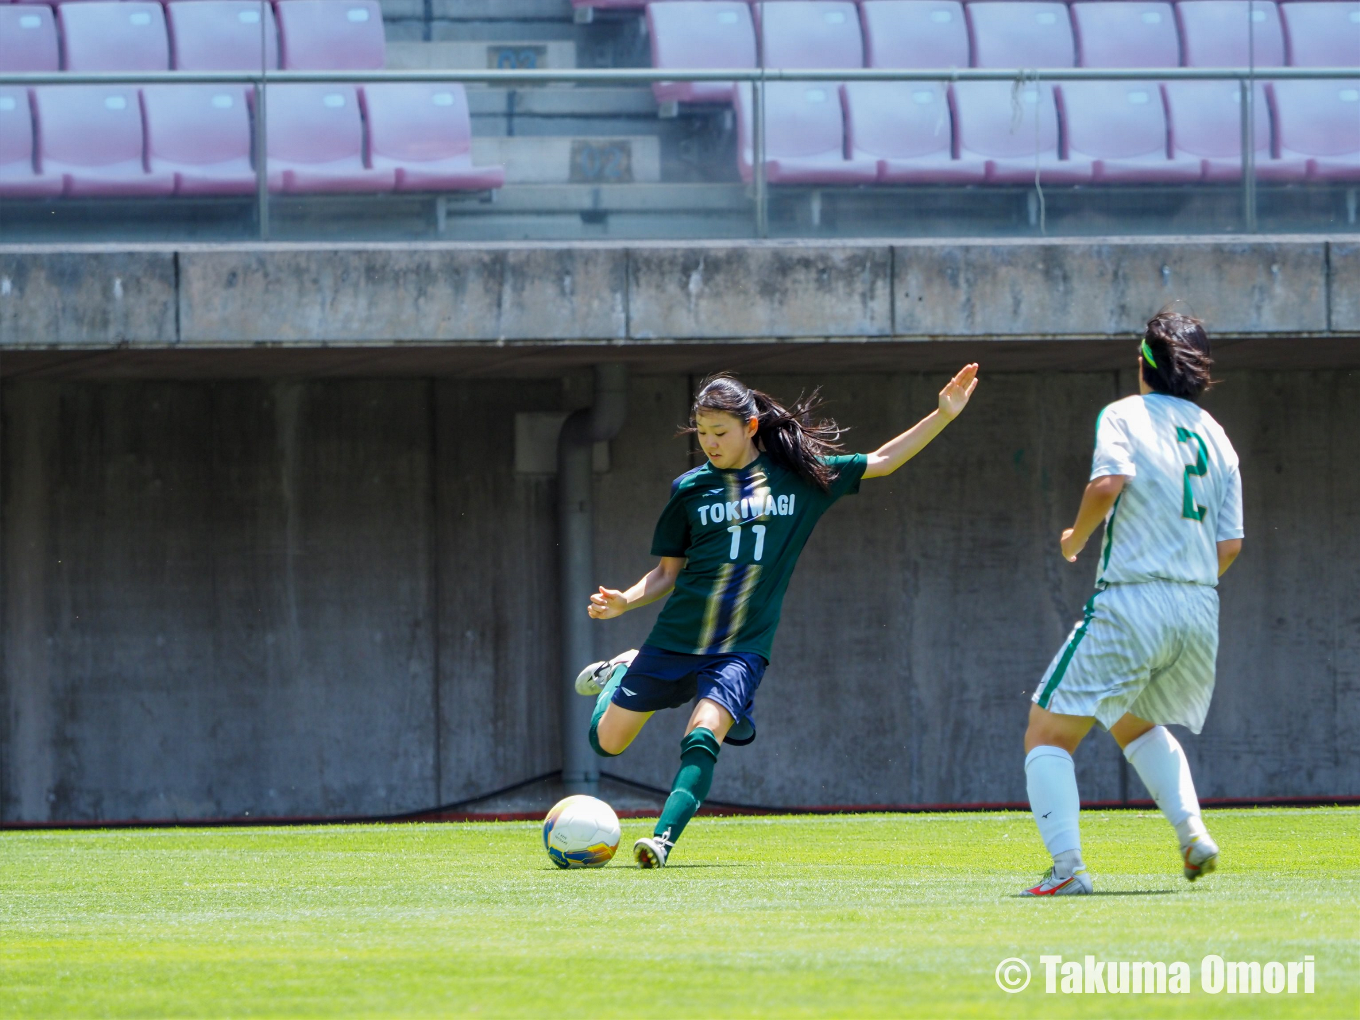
x,y
1160,762
1051,779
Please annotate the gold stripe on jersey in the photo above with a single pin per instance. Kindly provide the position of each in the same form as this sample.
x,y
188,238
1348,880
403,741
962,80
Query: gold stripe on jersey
x,y
713,609
739,609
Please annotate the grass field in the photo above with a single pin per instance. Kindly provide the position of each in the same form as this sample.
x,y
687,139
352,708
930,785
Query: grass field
x,y
822,916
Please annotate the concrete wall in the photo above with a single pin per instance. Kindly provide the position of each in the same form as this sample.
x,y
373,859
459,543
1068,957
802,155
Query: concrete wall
x,y
325,597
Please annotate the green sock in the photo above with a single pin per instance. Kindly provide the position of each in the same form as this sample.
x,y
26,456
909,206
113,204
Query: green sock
x,y
601,704
698,755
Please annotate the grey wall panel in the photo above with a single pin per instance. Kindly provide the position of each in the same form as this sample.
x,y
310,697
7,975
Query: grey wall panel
x,y
97,299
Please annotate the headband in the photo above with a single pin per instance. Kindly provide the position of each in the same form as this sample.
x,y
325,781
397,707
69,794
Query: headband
x,y
1146,351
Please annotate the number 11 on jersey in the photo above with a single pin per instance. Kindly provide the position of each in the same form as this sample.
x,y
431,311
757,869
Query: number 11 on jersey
x,y
735,532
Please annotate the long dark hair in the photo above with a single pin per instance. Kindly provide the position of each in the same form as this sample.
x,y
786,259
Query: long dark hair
x,y
789,435
1179,363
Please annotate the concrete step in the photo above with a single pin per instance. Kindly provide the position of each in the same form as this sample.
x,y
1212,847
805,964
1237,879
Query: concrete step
x,y
562,160
561,102
615,198
437,56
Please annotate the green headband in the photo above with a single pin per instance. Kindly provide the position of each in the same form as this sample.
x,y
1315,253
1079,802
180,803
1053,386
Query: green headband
x,y
1147,353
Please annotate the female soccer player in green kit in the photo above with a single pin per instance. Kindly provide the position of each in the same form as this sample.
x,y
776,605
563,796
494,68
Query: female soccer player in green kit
x,y
728,540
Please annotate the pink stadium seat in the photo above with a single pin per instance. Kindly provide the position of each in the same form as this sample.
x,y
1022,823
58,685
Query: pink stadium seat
x,y
1205,123
1323,34
698,34
907,129
200,135
316,141
1319,122
18,176
1126,33
1119,128
1014,133
423,133
810,34
91,135
915,34
323,35
1018,34
804,136
1214,33
114,36
221,35
28,40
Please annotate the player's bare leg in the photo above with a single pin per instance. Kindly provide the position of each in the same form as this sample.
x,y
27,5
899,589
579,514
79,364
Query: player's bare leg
x,y
1160,762
708,725
617,728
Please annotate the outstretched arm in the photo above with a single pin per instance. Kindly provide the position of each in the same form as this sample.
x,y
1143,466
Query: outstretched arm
x,y
896,452
1096,501
657,583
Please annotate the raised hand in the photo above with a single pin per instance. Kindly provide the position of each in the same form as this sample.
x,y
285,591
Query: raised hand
x,y
954,396
607,603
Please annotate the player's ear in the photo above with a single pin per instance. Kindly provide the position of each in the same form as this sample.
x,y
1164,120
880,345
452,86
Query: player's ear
x,y
752,427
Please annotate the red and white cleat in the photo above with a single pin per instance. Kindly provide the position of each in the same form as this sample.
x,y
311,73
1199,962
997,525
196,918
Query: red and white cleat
x,y
1201,857
1050,885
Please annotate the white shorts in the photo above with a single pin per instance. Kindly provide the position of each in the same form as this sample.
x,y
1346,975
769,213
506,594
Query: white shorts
x,y
1144,648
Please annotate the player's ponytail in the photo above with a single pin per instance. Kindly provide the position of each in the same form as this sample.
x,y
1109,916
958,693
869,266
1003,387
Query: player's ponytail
x,y
790,437
1175,353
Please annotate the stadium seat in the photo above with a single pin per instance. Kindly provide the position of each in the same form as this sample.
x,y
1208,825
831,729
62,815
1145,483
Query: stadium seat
x,y
126,36
423,134
907,129
1126,33
18,175
1318,122
1119,128
91,135
316,141
1214,33
28,40
331,35
1013,132
915,34
1010,33
1205,123
1323,34
200,135
810,34
221,35
804,136
698,34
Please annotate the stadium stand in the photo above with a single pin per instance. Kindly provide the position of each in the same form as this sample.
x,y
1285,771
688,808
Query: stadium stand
x,y
91,135
699,34
804,136
1319,126
1205,123
810,34
423,134
1119,128
1322,34
316,141
28,39
1013,33
915,34
18,175
321,35
1126,33
1214,33
1013,132
221,35
116,36
200,134
907,129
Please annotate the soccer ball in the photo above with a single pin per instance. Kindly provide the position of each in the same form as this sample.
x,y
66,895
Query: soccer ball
x,y
581,832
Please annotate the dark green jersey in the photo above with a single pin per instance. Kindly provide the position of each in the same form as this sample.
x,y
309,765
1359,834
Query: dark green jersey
x,y
741,532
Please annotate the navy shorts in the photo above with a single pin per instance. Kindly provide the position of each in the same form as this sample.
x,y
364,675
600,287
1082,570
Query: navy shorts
x,y
660,679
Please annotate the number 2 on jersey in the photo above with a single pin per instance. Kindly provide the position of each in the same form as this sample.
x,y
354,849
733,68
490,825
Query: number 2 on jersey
x,y
1189,508
735,532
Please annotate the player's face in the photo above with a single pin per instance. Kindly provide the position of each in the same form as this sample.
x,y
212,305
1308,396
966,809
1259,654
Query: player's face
x,y
725,439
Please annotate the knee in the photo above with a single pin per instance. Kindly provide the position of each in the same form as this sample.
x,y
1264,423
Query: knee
x,y
604,746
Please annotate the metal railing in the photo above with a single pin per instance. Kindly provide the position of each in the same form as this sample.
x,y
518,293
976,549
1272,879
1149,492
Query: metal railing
x,y
1246,77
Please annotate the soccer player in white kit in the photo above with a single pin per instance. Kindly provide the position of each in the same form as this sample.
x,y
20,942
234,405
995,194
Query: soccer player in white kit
x,y
1165,481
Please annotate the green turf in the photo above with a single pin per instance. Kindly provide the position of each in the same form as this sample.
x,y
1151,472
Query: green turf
x,y
843,916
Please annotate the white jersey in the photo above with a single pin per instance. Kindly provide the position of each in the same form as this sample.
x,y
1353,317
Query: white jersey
x,y
1183,495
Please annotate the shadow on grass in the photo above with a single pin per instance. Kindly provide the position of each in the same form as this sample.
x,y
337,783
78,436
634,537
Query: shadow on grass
x,y
1115,892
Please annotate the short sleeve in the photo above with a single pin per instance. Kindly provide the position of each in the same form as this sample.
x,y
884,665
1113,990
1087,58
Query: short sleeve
x,y
849,470
671,537
1230,513
1114,447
